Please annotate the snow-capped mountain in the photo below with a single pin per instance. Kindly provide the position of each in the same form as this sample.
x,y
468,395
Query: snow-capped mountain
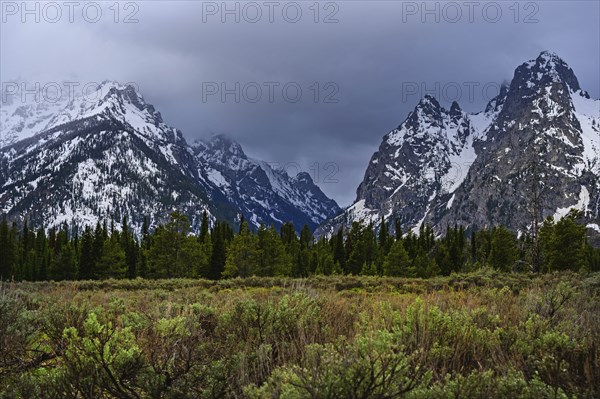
x,y
80,161
544,143
539,136
102,159
264,194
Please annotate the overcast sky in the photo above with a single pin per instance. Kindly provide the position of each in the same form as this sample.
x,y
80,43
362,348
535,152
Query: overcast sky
x,y
361,65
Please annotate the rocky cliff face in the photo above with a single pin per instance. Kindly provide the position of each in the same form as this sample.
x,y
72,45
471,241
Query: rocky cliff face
x,y
540,152
534,146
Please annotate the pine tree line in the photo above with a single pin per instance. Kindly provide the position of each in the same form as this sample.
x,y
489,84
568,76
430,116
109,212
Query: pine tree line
x,y
217,251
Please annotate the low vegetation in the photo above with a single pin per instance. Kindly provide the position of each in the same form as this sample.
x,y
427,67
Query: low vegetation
x,y
483,334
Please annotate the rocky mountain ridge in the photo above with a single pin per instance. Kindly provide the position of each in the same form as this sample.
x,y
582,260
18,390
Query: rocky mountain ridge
x,y
539,138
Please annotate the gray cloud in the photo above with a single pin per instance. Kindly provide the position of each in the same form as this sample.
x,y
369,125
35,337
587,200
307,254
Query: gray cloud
x,y
373,55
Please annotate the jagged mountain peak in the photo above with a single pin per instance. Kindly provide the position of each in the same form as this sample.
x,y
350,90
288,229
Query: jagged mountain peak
x,y
303,177
118,103
110,94
430,121
549,60
130,94
549,54
425,122
108,85
428,101
546,69
428,105
221,150
455,109
415,163
225,143
496,103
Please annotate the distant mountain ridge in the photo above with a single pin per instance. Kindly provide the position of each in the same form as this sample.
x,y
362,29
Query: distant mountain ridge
x,y
266,193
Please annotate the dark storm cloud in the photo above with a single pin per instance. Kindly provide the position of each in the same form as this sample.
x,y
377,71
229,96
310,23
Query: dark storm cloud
x,y
373,58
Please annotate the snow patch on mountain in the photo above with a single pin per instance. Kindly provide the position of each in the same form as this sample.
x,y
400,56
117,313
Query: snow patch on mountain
x,y
582,205
587,111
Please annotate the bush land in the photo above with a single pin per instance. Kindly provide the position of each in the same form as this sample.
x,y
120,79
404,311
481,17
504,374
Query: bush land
x,y
485,334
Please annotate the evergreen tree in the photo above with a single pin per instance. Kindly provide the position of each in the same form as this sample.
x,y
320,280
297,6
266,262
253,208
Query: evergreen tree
x,y
592,259
100,236
361,247
483,246
450,251
339,251
112,263
305,262
242,220
368,269
8,253
220,237
288,233
273,260
24,271
563,244
324,258
41,255
306,237
52,238
64,265
369,243
144,248
173,253
204,261
204,227
398,229
411,244
194,260
442,258
383,235
292,247
86,255
504,251
423,266
397,263
130,248
242,254
473,248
